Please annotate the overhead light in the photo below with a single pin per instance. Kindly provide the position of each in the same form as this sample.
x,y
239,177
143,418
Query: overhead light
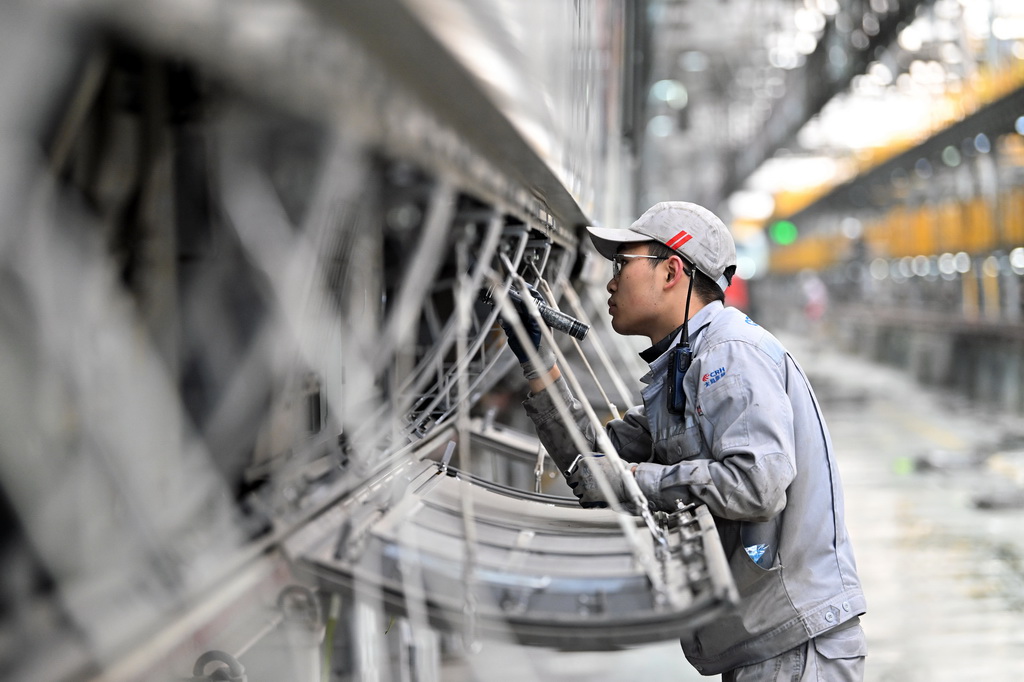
x,y
805,43
962,262
976,19
1008,28
990,267
1017,260
851,227
910,39
671,92
951,156
927,72
809,20
694,61
951,53
784,57
751,205
837,57
746,267
829,8
870,24
947,264
661,126
946,9
881,73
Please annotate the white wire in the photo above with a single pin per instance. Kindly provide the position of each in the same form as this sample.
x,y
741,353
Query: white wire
x,y
635,493
463,300
595,339
644,555
553,303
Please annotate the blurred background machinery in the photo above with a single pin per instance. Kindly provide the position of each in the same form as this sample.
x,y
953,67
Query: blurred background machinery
x,y
257,421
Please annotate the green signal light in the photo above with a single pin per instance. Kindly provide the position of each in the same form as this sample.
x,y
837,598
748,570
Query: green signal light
x,y
783,233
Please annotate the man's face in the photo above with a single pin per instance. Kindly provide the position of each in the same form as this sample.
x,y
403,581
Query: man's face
x,y
636,299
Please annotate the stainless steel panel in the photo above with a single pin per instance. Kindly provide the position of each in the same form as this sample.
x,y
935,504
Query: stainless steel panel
x,y
548,572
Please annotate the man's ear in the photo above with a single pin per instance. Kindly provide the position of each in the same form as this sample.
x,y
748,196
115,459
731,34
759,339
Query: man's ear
x,y
675,270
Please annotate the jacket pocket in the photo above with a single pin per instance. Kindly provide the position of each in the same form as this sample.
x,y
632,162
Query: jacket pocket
x,y
686,444
724,409
761,540
844,642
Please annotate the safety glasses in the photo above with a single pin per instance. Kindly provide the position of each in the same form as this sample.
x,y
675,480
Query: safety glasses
x,y
620,259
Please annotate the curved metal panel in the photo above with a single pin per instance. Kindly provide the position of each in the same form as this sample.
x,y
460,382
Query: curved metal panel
x,y
544,572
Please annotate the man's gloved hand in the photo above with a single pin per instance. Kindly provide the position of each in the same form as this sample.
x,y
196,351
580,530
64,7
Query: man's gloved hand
x,y
532,326
583,479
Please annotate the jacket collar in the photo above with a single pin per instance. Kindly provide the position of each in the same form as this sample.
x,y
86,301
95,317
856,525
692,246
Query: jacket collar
x,y
656,352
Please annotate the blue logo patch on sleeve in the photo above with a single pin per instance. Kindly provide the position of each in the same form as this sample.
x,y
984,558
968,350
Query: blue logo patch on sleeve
x,y
751,322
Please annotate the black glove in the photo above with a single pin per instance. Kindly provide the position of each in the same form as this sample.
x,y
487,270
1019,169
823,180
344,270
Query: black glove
x,y
583,480
532,326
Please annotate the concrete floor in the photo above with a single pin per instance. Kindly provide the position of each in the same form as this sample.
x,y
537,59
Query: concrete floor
x,y
944,578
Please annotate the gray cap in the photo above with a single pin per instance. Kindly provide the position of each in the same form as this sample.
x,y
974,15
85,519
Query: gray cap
x,y
694,232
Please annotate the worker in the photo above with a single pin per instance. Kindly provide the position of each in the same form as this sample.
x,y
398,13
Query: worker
x,y
729,421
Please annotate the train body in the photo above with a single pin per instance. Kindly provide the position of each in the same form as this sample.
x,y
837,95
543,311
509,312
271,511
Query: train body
x,y
245,248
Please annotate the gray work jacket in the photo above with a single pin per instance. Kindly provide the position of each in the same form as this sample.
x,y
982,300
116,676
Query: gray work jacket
x,y
752,445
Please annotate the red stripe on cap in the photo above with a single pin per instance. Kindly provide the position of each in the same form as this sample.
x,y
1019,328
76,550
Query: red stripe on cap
x,y
679,239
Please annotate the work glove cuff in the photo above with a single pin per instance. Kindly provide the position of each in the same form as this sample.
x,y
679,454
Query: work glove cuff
x,y
584,481
547,363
